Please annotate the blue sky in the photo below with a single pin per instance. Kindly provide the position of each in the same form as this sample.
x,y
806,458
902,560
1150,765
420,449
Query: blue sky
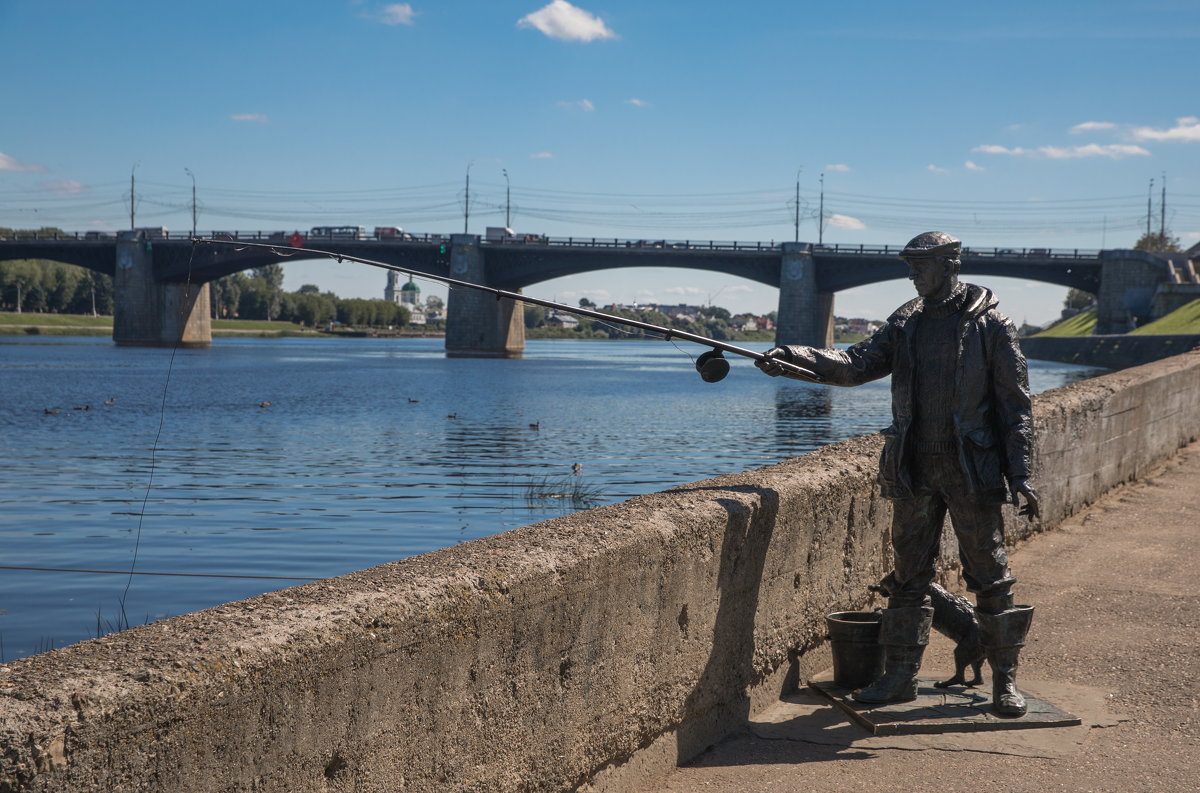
x,y
1017,124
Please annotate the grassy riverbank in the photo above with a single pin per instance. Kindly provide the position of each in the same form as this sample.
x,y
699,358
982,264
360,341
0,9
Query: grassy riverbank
x,y
29,324
1185,319
32,324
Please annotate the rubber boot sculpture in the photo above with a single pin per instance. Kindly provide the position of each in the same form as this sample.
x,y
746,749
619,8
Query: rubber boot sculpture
x,y
903,634
1003,636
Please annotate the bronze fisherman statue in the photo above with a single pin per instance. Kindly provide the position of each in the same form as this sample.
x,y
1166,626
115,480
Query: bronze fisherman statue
x,y
960,440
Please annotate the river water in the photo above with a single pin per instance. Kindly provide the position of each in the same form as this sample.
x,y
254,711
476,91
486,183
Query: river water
x,y
370,450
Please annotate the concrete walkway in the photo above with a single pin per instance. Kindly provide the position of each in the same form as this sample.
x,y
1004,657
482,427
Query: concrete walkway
x,y
1115,640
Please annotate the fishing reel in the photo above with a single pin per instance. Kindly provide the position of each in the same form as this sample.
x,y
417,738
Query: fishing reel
x,y
712,366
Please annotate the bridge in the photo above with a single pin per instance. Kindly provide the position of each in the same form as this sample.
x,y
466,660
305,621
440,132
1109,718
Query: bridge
x,y
158,299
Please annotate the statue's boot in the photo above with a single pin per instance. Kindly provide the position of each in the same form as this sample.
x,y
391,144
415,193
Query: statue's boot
x,y
1003,637
903,633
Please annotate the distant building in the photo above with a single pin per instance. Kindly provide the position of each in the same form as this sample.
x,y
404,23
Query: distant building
x,y
408,295
561,319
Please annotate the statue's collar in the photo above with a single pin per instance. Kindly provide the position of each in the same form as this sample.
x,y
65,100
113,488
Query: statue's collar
x,y
951,304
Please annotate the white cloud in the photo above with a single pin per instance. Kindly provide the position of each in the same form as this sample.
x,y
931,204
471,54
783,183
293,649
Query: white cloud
x,y
583,104
846,222
1186,130
63,187
13,164
561,20
989,148
934,169
971,166
738,288
683,291
637,102
1092,126
396,14
1113,151
838,168
1191,235
541,155
601,294
257,118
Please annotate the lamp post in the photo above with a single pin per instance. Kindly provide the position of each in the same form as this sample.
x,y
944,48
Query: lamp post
x,y
132,195
507,200
798,170
821,215
188,171
467,198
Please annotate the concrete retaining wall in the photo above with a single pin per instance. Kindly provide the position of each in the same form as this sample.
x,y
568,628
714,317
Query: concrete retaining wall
x,y
1110,352
564,655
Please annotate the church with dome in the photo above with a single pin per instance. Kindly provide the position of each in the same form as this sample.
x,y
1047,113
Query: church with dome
x,y
408,295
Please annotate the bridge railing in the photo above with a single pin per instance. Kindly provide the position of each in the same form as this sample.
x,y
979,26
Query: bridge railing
x,y
303,238
988,253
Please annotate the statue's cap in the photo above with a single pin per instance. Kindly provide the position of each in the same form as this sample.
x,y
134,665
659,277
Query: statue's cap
x,y
931,243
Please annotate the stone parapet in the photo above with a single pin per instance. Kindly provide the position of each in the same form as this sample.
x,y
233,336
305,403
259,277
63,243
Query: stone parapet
x,y
1118,351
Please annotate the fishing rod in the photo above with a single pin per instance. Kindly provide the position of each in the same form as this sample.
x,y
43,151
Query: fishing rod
x,y
711,365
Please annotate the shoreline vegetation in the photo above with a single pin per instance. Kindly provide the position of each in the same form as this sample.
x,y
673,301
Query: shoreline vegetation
x,y
38,324
45,324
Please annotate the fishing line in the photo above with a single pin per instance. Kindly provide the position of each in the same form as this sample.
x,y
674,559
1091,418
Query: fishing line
x,y
162,413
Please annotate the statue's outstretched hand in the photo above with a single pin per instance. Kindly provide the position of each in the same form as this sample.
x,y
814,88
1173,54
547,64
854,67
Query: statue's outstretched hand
x,y
769,364
1021,487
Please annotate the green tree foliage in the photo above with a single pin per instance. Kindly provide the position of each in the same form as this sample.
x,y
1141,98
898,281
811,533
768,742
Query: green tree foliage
x,y
535,316
1157,243
53,287
37,285
1078,300
260,295
269,285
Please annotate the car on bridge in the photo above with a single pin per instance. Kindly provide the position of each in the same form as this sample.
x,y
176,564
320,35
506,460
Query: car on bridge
x,y
392,233
339,232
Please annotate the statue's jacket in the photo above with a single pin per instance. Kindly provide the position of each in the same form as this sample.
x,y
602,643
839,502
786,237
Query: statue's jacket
x,y
991,408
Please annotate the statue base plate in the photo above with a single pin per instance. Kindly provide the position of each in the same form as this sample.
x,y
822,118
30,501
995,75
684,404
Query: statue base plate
x,y
943,710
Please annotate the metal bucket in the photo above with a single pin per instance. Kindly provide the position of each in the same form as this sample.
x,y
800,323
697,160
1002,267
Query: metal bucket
x,y
857,655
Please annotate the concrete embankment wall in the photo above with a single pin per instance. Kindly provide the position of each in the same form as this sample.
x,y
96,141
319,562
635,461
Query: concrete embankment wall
x,y
575,653
1110,352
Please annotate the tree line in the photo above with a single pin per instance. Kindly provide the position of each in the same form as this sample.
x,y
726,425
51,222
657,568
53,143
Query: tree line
x,y
42,286
258,294
711,321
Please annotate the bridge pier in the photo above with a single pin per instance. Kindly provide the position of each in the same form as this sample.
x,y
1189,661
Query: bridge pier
x,y
148,312
1127,283
477,324
805,315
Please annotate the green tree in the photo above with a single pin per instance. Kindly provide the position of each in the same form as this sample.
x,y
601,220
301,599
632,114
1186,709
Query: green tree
x,y
535,316
1078,300
272,291
585,303
1157,243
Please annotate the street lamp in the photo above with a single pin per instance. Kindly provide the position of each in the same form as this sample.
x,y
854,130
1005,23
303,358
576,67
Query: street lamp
x,y
132,194
507,200
798,170
467,198
188,171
